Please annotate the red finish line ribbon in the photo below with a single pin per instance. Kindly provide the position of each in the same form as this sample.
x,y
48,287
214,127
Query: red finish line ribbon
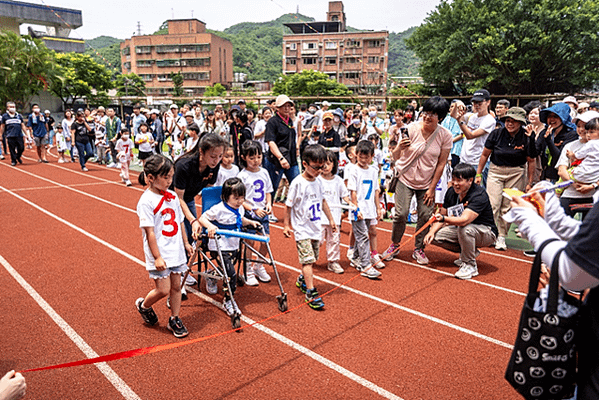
x,y
155,349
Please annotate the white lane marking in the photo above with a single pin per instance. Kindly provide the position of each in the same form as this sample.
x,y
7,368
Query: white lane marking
x,y
108,372
326,362
57,186
304,350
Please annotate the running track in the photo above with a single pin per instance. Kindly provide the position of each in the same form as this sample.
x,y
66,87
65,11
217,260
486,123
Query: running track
x,y
72,266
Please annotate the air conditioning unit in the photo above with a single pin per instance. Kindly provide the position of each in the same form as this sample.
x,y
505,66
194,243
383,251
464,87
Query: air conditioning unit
x,y
341,44
319,44
319,59
288,46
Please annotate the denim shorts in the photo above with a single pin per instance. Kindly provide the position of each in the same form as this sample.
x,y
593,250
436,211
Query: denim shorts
x,y
155,274
263,221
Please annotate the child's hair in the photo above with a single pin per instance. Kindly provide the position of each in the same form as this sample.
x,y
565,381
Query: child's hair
x,y
58,126
463,171
156,165
124,130
332,157
314,153
365,147
207,142
243,117
250,148
232,186
393,143
373,136
592,125
144,124
351,149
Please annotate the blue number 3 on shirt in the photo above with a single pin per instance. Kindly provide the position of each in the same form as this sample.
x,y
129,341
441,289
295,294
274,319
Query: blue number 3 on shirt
x,y
259,190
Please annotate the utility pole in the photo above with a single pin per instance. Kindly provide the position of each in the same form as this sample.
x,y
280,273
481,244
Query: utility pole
x,y
138,28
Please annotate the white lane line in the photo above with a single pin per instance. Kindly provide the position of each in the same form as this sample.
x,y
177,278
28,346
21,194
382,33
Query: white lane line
x,y
326,362
108,372
304,350
57,186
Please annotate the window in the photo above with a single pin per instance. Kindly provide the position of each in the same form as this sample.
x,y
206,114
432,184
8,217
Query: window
x,y
291,61
351,60
352,75
310,60
292,46
163,78
143,49
374,43
168,63
330,45
196,62
373,75
199,48
167,49
144,63
373,60
330,61
310,45
353,43
146,77
126,51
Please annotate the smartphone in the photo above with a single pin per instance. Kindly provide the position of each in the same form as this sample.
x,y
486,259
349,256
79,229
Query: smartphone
x,y
404,133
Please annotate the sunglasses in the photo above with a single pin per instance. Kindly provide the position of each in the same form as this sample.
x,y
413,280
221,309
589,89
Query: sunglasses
x,y
315,168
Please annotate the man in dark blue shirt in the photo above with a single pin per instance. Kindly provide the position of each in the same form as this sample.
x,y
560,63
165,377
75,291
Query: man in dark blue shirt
x,y
465,222
11,128
38,126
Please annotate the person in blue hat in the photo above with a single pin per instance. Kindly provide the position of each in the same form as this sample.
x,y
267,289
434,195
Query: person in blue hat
x,y
560,130
339,124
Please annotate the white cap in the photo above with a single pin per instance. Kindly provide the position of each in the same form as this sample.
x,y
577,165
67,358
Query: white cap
x,y
155,111
570,99
190,114
326,103
586,116
282,100
583,104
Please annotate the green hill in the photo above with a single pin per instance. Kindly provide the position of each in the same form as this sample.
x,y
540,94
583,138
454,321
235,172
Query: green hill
x,y
258,50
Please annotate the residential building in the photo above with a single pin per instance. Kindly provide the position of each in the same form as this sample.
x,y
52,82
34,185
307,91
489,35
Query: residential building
x,y
201,57
357,59
58,21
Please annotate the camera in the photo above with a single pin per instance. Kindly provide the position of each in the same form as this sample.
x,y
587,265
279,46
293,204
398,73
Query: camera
x,y
404,133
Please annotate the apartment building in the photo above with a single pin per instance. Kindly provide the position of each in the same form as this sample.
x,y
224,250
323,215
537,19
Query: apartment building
x,y
356,59
201,57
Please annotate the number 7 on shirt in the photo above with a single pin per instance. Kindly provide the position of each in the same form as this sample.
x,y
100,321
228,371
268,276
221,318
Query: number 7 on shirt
x,y
369,183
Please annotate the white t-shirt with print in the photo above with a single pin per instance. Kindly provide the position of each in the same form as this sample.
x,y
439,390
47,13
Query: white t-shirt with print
x,y
224,216
472,149
177,149
224,174
124,146
305,199
333,191
167,229
144,141
257,185
365,183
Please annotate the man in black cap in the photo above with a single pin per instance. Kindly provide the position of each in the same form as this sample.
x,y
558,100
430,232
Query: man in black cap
x,y
594,106
476,127
241,104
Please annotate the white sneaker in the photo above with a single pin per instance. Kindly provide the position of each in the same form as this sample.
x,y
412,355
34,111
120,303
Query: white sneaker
x,y
123,178
467,271
376,261
250,277
128,183
111,165
350,253
273,219
228,306
370,272
261,273
500,243
60,160
334,266
190,280
211,287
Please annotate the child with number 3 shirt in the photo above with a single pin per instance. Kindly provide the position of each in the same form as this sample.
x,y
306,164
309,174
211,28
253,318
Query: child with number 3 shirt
x,y
305,201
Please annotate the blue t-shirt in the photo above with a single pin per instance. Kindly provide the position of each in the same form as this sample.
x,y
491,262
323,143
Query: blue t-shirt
x,y
38,125
454,127
12,125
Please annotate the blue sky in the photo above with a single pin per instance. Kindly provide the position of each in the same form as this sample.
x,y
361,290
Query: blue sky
x,y
119,18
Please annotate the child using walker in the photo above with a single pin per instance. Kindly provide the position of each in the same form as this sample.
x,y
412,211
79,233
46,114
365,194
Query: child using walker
x,y
364,190
333,190
227,215
165,241
258,194
124,148
304,203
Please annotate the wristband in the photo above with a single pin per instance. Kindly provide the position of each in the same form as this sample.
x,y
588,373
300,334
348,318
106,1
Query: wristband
x,y
443,220
479,175
195,220
281,158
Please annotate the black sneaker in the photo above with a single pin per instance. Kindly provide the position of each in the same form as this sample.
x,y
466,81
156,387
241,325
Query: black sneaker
x,y
19,160
530,253
313,300
301,283
147,314
176,326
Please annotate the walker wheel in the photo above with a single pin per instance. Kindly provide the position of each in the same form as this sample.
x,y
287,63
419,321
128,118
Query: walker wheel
x,y
282,299
235,321
168,302
240,281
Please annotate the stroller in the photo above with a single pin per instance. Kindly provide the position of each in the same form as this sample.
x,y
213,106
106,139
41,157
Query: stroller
x,y
211,268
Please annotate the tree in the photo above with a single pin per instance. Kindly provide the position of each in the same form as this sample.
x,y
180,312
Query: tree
x,y
163,30
309,83
25,66
130,85
177,83
510,46
77,75
217,90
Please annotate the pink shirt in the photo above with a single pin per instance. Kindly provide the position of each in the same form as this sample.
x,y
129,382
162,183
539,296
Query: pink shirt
x,y
420,174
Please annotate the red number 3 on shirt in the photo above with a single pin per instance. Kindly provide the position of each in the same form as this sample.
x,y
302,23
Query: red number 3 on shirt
x,y
170,221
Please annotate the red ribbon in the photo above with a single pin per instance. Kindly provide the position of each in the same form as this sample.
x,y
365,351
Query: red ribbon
x,y
166,196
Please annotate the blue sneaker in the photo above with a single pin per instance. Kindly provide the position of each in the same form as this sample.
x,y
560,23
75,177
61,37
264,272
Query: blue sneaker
x,y
301,283
313,300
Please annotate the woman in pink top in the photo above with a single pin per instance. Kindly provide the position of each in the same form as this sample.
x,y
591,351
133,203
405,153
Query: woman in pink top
x,y
421,158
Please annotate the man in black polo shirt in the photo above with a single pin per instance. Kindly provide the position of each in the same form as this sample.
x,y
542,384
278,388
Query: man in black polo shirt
x,y
329,138
465,222
12,127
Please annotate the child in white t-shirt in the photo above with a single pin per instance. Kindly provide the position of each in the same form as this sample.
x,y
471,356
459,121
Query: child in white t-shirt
x,y
364,192
333,190
585,161
165,242
257,202
378,158
124,149
351,155
227,215
100,144
61,143
176,146
145,140
305,204
227,169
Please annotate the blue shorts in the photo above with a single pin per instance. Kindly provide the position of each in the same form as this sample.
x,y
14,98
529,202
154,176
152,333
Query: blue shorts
x,y
155,274
263,221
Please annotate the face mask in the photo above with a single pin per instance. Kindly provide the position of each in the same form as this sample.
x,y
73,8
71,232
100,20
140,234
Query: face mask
x,y
336,119
372,114
36,110
407,116
125,137
12,110
311,111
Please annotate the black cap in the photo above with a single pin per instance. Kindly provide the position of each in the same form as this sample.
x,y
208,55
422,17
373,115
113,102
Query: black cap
x,y
481,95
594,104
